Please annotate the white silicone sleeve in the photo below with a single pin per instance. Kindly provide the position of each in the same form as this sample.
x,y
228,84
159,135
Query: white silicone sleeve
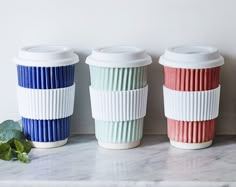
x,y
191,105
118,105
46,104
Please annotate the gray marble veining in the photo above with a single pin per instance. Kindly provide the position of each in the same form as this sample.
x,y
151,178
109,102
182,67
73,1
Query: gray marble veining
x,y
154,163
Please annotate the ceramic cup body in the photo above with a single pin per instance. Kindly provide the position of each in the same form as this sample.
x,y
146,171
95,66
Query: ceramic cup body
x,y
195,89
46,94
194,133
120,127
120,133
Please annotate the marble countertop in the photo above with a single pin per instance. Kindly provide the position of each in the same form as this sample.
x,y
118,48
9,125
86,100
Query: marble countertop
x,y
155,163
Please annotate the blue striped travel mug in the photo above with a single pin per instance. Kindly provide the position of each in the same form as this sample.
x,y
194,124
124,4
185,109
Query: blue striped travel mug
x,y
46,92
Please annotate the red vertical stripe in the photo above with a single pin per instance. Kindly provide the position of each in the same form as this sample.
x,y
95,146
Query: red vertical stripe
x,y
199,79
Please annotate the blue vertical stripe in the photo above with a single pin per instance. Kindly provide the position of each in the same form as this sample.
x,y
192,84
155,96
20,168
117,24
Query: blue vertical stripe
x,y
45,77
46,130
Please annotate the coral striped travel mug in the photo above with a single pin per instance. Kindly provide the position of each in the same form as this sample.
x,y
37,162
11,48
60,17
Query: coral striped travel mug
x,y
191,94
46,92
118,95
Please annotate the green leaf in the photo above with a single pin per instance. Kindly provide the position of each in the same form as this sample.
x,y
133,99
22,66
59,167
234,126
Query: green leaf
x,y
14,154
23,157
16,147
27,146
8,134
10,129
11,143
5,151
10,124
19,145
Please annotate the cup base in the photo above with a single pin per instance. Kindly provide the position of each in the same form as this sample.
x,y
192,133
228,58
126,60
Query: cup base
x,y
119,145
47,145
183,145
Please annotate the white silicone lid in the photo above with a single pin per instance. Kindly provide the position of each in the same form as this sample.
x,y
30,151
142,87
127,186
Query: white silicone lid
x,y
191,57
46,56
119,56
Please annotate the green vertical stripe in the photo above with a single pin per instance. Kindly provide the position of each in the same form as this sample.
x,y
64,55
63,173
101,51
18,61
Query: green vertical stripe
x,y
119,132
117,79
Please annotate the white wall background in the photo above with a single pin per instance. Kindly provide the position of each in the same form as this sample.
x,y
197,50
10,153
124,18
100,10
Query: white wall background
x,y
149,24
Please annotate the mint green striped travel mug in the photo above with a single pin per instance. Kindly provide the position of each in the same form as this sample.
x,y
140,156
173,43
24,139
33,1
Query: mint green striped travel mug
x,y
118,95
